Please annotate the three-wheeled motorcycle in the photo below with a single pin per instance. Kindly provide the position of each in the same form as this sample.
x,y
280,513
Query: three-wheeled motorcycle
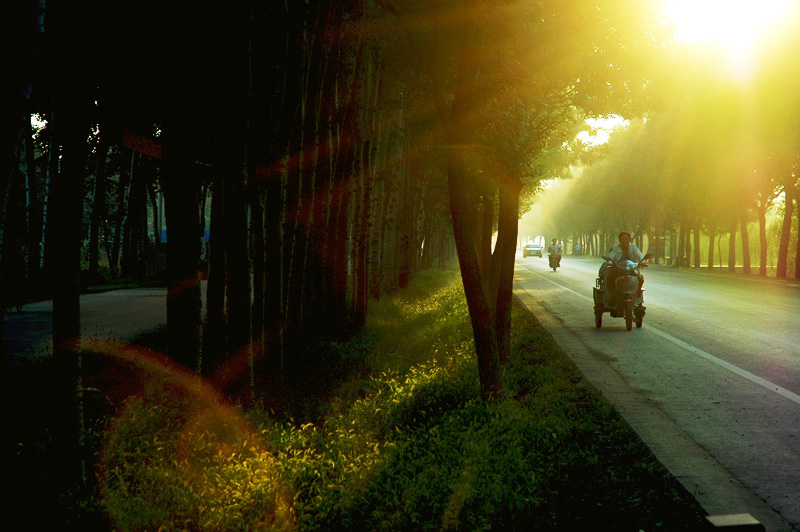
x,y
627,298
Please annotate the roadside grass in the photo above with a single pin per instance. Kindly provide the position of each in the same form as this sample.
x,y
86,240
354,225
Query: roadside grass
x,y
404,444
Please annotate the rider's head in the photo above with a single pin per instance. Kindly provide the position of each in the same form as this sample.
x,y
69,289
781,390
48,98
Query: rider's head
x,y
624,239
555,240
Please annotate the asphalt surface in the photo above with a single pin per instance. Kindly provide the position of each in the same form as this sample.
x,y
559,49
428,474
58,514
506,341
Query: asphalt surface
x,y
711,382
118,315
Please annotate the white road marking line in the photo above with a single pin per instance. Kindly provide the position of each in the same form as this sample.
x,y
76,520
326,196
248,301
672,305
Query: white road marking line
x,y
727,365
699,352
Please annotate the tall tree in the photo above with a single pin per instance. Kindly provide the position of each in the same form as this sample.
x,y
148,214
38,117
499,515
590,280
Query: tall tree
x,y
474,50
786,228
66,216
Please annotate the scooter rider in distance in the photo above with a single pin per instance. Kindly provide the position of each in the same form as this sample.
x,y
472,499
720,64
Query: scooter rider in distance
x,y
625,250
554,251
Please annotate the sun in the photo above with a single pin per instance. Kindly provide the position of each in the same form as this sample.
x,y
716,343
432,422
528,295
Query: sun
x,y
734,26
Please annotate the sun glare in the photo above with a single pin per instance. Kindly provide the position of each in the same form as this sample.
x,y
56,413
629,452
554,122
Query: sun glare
x,y
600,129
735,26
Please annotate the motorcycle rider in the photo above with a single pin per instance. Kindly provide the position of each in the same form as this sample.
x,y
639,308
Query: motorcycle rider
x,y
555,249
625,250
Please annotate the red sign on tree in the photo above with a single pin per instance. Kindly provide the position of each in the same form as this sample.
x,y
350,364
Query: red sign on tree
x,y
141,144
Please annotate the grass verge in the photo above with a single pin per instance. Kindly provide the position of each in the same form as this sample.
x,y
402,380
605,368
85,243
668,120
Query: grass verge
x,y
405,444
408,446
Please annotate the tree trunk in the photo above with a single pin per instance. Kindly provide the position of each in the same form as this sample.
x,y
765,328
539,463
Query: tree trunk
x,y
687,243
53,163
35,220
238,272
257,228
214,322
361,219
273,274
183,246
484,234
119,219
711,237
681,245
697,244
504,254
745,244
674,250
152,193
135,221
797,240
786,232
14,235
99,207
11,124
762,238
343,197
405,230
232,64
481,315
732,246
66,218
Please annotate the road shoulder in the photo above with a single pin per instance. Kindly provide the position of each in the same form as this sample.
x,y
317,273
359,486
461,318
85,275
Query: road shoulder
x,y
717,491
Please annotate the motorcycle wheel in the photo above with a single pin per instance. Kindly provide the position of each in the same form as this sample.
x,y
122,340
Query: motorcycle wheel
x,y
598,317
629,315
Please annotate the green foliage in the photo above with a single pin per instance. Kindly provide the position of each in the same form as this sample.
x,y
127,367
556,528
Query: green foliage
x,y
409,447
168,467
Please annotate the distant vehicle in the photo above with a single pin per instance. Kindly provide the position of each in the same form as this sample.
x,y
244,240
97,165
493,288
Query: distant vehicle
x,y
532,249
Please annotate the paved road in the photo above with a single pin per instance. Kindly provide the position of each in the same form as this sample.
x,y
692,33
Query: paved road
x,y
711,382
117,315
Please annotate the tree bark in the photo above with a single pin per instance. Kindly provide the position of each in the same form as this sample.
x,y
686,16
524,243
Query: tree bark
x,y
273,275
183,246
711,237
745,243
732,246
681,245
257,228
797,239
10,166
135,220
504,255
762,238
484,234
363,220
66,218
238,272
214,322
786,231
99,206
481,315
119,218
35,220
53,163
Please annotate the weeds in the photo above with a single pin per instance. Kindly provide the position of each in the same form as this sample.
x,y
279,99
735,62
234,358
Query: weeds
x,y
406,444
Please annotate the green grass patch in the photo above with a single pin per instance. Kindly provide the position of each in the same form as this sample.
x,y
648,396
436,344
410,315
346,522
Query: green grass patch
x,y
408,445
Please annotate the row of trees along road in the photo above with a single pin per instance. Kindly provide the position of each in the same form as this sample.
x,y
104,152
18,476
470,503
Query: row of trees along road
x,y
346,144
716,165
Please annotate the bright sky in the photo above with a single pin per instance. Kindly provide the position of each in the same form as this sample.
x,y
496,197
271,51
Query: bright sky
x,y
733,25
601,129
